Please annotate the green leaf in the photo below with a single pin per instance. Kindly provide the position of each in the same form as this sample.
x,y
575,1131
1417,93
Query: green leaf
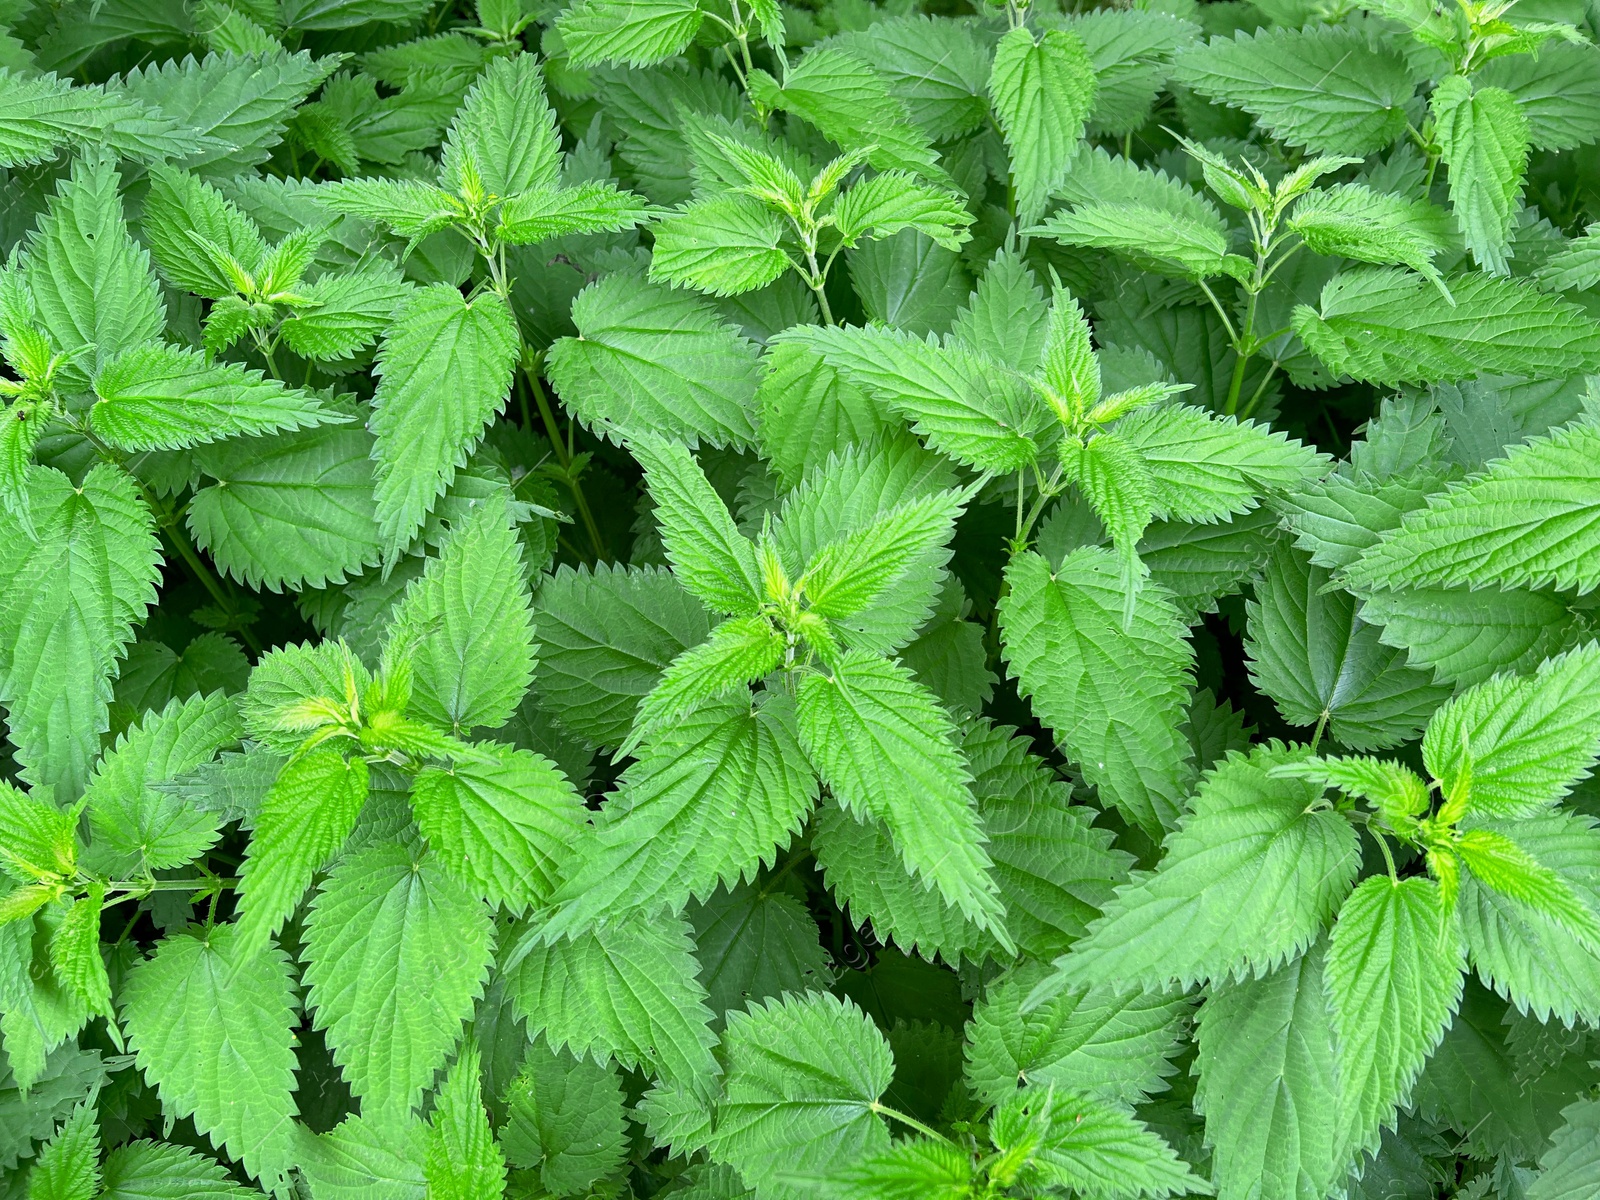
x,y
650,359
1517,948
346,14
91,283
1114,694
1154,237
588,208
212,1029
725,246
1006,317
1467,636
1570,1168
1042,94
68,1167
909,281
1555,88
1098,1150
710,799
1525,522
506,130
412,209
1069,365
739,652
1269,1082
635,32
463,1162
935,68
804,1077
1394,789
468,624
851,573
253,519
1483,139
1200,563
240,104
36,838
1387,326
275,708
1324,88
501,828
1112,477
916,1168
140,827
70,594
1322,665
607,635
1338,518
886,750
304,820
959,401
708,553
1055,869
198,235
396,953
627,988
865,873
157,1171
1502,866
1392,981
1513,746
1132,51
1575,266
886,204
565,1121
809,411
422,436
358,1156
345,313
849,493
844,97
158,397
75,951
1354,221
1107,1041
948,653
1247,882
41,113
755,943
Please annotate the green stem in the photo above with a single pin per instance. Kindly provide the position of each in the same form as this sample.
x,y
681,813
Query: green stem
x,y
1235,385
1245,346
1227,321
1048,492
817,279
910,1122
266,349
1255,397
547,414
1316,736
146,886
1383,844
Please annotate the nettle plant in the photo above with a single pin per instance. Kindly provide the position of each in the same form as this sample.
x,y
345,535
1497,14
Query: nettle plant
x,y
728,600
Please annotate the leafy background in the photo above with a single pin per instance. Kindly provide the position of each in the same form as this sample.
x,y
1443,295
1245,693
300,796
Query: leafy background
x,y
669,597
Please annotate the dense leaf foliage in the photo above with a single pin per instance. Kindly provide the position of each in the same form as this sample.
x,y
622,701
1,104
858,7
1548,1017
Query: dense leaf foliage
x,y
799,599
